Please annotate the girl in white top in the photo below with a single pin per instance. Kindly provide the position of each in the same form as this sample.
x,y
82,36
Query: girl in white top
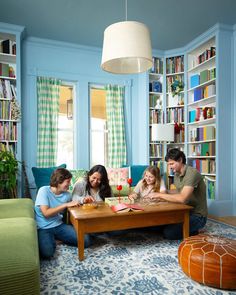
x,y
150,183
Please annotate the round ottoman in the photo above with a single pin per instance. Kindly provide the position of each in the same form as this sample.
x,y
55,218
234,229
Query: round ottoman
x,y
210,260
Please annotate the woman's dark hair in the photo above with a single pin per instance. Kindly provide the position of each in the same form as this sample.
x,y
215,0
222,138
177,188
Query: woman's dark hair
x,y
58,176
105,189
176,155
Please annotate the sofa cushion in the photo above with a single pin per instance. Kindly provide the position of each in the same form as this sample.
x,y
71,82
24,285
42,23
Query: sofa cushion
x,y
11,208
42,175
118,176
19,259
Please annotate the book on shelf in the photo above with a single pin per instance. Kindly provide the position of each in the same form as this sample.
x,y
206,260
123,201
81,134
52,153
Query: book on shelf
x,y
8,46
122,207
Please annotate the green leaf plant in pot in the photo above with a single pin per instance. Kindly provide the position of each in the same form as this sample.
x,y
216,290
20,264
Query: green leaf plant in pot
x,y
8,175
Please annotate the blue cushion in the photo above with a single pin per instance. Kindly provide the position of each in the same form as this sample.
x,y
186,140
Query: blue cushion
x,y
137,173
42,175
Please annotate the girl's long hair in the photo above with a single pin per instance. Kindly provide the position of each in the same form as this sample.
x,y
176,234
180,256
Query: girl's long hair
x,y
104,187
155,171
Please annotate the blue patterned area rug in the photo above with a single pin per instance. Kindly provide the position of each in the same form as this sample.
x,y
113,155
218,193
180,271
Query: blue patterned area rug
x,y
136,262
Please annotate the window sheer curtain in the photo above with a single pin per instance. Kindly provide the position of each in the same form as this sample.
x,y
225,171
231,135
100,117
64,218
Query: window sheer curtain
x,y
117,154
48,92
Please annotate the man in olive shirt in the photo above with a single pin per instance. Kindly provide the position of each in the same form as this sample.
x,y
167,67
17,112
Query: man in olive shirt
x,y
190,190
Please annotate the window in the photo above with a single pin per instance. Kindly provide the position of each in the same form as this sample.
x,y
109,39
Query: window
x,y
98,123
65,148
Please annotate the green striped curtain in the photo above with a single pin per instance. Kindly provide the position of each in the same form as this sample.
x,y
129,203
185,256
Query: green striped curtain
x,y
48,91
116,126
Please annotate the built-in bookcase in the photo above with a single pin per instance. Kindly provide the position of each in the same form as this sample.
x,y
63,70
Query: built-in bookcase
x,y
10,91
201,112
156,114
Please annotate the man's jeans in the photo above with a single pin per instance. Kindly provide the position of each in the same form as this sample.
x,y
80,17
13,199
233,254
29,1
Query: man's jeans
x,y
64,232
175,231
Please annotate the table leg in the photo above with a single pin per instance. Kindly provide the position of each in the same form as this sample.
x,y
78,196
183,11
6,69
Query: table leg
x,y
186,225
81,244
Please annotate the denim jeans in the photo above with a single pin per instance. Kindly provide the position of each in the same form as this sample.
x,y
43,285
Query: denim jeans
x,y
64,232
175,231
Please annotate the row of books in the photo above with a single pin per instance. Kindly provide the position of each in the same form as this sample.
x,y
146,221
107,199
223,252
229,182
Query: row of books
x,y
156,150
157,65
205,166
155,86
204,92
201,114
156,116
5,109
8,46
8,131
210,187
6,146
202,149
170,80
179,137
7,70
202,133
175,64
207,54
202,77
175,115
7,89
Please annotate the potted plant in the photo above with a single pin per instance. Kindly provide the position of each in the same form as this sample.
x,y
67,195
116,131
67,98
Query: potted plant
x,y
8,175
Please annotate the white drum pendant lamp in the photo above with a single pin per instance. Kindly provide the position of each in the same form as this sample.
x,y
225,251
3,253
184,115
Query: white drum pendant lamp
x,y
126,48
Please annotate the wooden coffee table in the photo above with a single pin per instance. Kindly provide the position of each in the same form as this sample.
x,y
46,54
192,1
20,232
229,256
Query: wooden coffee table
x,y
103,219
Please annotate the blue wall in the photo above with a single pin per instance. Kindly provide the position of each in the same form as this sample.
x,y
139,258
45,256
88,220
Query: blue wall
x,y
82,65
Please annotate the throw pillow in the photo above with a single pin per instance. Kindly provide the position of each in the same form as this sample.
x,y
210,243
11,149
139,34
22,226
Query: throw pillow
x,y
42,175
77,175
118,176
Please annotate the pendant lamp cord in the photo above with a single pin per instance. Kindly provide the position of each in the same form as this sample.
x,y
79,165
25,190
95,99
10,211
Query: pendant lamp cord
x,y
126,10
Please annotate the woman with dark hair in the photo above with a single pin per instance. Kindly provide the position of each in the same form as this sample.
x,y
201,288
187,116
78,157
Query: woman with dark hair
x,y
51,202
94,188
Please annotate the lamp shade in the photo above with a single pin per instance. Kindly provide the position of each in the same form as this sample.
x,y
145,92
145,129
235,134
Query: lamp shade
x,y
126,48
162,132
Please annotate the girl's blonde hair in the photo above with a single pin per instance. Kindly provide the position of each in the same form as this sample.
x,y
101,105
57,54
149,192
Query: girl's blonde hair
x,y
155,171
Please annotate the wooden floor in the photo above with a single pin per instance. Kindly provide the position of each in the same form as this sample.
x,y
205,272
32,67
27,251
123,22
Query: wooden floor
x,y
226,219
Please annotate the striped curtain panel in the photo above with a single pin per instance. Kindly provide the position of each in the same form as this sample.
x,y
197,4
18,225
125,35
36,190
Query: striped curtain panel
x,y
116,127
48,91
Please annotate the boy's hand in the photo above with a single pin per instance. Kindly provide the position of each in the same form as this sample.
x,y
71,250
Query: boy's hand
x,y
72,204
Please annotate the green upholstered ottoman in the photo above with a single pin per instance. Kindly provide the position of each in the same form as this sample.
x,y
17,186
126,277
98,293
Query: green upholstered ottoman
x,y
16,208
19,259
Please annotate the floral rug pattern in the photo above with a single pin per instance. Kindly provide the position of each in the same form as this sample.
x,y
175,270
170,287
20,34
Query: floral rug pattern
x,y
136,262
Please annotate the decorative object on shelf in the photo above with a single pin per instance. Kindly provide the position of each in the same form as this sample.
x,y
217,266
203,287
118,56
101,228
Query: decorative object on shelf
x,y
129,181
176,87
126,48
15,110
162,132
69,108
8,175
119,188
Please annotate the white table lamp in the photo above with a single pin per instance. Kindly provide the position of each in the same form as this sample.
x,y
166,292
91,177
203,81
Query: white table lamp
x,y
162,132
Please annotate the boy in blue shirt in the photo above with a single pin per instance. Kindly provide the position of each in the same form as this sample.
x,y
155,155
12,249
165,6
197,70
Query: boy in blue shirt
x,y
51,202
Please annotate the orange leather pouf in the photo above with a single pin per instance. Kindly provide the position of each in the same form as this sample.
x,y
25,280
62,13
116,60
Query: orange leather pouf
x,y
210,260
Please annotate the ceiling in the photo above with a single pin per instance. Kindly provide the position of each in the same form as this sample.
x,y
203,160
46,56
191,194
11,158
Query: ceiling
x,y
172,23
